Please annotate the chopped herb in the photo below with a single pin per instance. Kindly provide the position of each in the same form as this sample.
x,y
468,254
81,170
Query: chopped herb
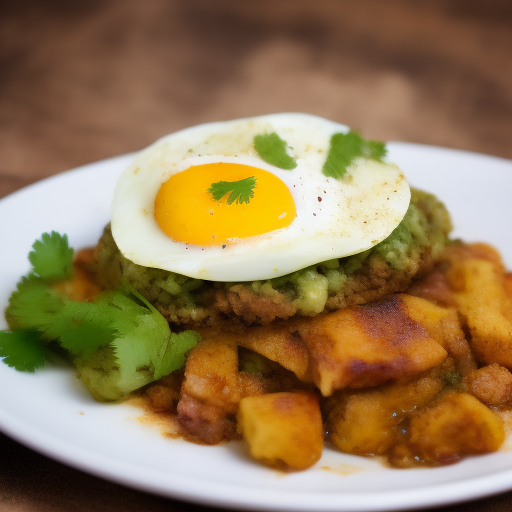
x,y
345,148
240,191
272,149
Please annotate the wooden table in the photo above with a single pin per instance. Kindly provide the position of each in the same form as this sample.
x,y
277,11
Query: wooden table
x,y
90,79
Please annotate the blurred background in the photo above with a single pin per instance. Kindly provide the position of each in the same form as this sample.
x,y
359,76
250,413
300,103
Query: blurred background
x,y
89,79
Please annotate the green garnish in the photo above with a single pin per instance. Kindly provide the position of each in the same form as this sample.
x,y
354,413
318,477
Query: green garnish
x,y
52,258
118,342
345,148
272,149
22,349
240,191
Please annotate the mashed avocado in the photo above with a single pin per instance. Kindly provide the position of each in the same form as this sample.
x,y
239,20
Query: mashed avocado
x,y
389,267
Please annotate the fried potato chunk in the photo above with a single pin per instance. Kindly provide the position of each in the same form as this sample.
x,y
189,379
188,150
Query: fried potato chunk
x,y
211,374
365,422
282,428
279,344
491,384
443,325
210,391
482,299
367,346
457,426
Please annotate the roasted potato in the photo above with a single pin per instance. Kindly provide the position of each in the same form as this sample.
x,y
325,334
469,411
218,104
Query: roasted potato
x,y
457,426
367,346
483,302
365,422
443,325
283,428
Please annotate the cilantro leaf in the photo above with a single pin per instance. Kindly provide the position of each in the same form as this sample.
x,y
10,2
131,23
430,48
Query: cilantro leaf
x,y
272,149
240,191
52,258
375,150
167,356
345,148
142,350
174,356
81,327
22,349
33,305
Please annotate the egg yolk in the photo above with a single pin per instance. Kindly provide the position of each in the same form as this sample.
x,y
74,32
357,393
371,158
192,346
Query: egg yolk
x,y
187,212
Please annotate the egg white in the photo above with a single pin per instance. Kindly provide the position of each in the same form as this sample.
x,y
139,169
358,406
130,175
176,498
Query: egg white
x,y
335,218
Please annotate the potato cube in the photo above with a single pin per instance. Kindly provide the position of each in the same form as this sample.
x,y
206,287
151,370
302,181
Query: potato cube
x,y
364,422
210,392
211,374
457,426
282,428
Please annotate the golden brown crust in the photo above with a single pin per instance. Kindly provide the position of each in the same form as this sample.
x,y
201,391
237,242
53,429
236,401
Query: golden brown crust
x,y
252,307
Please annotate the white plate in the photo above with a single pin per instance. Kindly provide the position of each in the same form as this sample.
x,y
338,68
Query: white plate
x,y
50,411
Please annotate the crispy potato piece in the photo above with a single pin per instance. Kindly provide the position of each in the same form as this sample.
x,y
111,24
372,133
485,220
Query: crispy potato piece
x,y
161,398
434,288
283,428
364,422
277,343
444,326
210,392
211,374
165,393
491,384
204,423
457,426
507,285
454,254
482,300
367,346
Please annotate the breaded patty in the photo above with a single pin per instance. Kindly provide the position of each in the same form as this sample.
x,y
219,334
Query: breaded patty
x,y
387,268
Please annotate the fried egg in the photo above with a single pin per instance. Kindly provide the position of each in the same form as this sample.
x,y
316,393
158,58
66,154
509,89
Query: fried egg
x,y
169,210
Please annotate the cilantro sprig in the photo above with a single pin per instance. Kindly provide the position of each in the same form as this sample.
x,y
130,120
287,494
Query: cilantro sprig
x,y
272,149
52,258
345,148
240,192
118,342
